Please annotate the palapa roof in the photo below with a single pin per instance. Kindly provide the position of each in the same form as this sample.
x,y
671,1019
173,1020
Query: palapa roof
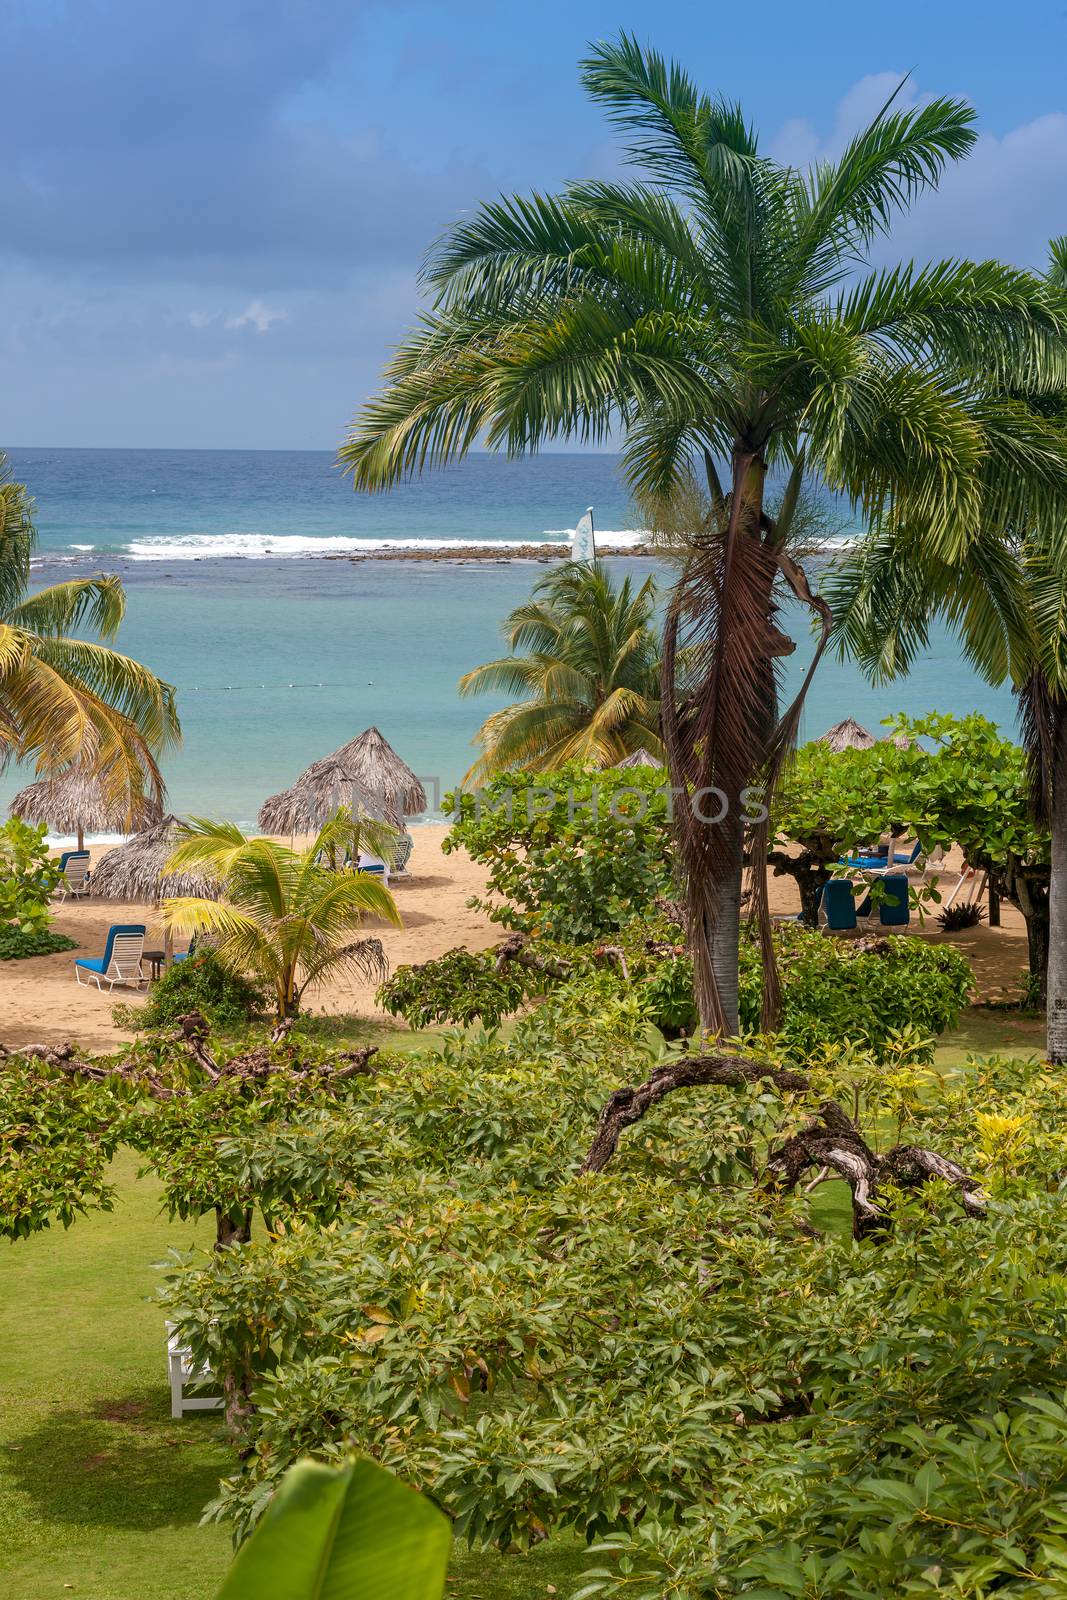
x,y
638,758
848,735
365,774
76,799
134,870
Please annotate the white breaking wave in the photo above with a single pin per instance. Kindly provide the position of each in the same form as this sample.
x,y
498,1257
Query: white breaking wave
x,y
291,547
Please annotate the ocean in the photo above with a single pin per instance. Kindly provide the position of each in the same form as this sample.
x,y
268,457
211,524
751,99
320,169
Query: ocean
x,y
280,655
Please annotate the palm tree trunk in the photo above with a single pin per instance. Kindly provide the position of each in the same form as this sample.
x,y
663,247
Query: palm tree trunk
x,y
1056,1003
723,925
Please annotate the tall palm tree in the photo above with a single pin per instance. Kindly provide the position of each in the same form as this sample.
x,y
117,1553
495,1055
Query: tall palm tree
x,y
285,916
65,699
585,660
1005,594
722,309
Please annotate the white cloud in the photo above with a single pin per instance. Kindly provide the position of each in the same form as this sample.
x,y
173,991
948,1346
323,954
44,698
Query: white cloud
x,y
1007,199
257,314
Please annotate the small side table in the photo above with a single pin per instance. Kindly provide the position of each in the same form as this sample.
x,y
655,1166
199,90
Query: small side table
x,y
155,959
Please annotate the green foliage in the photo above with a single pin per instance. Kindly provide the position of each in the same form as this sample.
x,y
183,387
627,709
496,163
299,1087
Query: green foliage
x,y
199,983
58,1133
572,854
833,991
460,987
585,662
647,1356
864,992
343,1535
967,914
28,876
15,945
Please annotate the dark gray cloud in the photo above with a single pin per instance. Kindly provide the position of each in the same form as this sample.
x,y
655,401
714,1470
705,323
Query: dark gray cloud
x,y
136,135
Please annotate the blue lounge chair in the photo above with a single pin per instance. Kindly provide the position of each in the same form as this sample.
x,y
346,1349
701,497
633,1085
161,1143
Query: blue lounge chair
x,y
121,960
894,911
74,884
838,904
909,860
183,955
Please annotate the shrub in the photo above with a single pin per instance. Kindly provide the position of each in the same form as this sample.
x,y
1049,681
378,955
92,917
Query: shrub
x,y
199,983
833,991
955,918
28,876
860,991
550,1353
458,987
18,945
573,854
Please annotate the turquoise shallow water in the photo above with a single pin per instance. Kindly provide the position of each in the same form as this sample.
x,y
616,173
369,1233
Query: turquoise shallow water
x,y
279,660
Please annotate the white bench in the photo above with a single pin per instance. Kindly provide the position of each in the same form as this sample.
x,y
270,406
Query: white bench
x,y
182,1372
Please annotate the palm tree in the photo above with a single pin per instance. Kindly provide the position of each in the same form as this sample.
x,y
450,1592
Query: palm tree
x,y
1006,597
585,659
284,918
67,700
721,309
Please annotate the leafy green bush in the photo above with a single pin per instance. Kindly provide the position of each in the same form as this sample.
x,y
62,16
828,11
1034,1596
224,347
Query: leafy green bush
x,y
458,987
833,991
199,983
864,991
28,876
573,854
656,1356
17,945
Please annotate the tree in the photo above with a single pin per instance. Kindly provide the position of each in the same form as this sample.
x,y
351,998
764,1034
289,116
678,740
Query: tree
x,y
831,803
284,915
64,699
704,310
585,659
1005,593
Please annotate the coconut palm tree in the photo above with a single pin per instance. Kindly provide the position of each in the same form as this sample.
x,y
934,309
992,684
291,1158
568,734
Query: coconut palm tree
x,y
1005,595
721,309
284,917
585,661
67,700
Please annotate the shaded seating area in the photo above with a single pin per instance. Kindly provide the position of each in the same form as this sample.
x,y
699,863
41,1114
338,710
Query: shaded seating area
x,y
840,912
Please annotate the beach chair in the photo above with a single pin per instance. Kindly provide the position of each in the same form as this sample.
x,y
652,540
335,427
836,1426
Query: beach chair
x,y
909,860
894,911
837,905
374,866
183,955
182,1371
405,845
74,884
121,960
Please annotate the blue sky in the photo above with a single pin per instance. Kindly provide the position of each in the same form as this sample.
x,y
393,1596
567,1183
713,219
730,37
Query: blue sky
x,y
213,212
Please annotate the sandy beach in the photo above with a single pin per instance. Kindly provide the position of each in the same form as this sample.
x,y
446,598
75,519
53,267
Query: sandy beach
x,y
40,1000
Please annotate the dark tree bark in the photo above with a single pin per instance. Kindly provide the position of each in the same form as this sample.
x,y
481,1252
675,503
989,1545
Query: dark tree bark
x,y
229,1231
627,1106
1056,998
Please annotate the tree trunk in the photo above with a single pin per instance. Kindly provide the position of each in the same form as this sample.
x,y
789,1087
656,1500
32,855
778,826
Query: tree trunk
x,y
994,904
1056,998
229,1232
724,923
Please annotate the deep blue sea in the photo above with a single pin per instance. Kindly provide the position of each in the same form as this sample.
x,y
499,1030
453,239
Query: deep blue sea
x,y
279,656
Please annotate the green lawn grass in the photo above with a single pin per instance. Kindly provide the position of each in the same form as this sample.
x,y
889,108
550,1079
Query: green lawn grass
x,y
100,1491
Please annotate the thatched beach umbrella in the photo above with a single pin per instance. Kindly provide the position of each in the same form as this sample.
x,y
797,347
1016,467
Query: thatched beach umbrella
x,y
848,735
365,774
75,801
136,870
638,758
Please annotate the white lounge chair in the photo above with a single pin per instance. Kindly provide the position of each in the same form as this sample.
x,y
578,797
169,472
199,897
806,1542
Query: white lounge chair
x,y
374,866
120,962
74,884
183,1371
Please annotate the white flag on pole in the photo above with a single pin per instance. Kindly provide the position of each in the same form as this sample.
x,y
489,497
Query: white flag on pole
x,y
584,546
